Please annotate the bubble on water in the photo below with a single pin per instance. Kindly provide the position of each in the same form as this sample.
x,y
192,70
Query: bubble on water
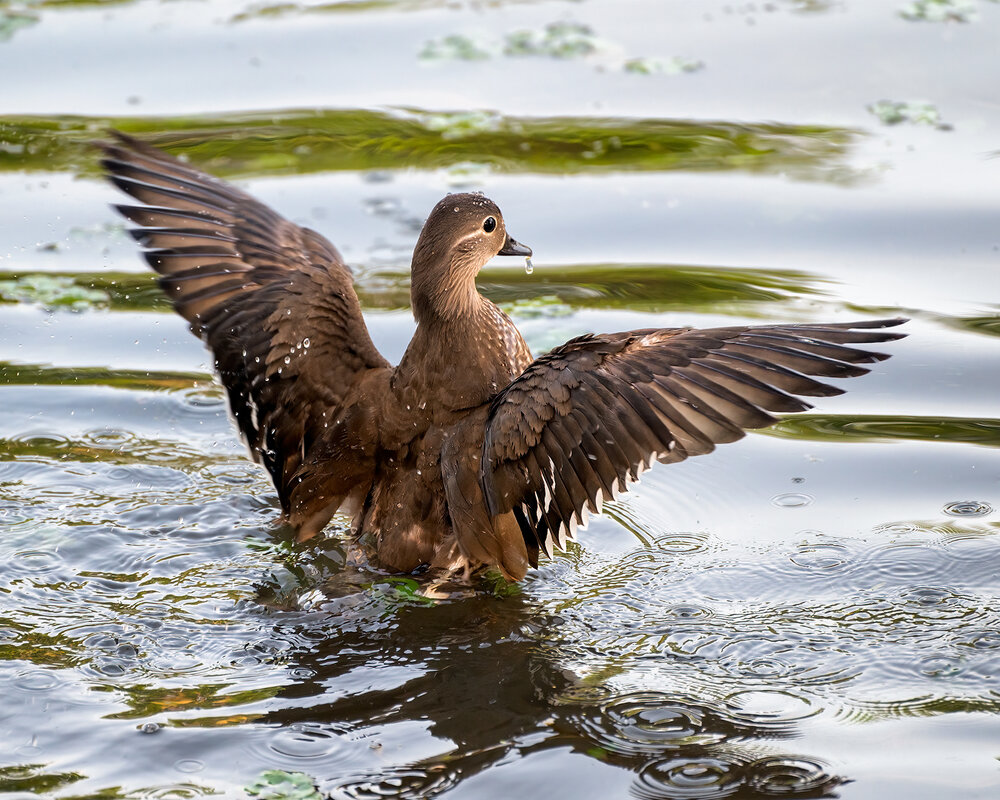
x,y
528,266
968,508
150,727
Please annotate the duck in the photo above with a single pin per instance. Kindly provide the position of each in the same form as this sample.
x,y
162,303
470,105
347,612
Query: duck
x,y
470,453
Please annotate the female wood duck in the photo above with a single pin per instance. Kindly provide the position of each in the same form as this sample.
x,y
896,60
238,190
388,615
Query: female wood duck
x,y
470,452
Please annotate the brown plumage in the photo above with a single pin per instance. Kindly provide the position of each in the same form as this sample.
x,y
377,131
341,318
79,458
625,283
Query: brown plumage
x,y
468,453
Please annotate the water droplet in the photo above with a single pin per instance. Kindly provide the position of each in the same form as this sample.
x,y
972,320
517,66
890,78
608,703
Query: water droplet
x,y
288,359
528,266
968,508
305,343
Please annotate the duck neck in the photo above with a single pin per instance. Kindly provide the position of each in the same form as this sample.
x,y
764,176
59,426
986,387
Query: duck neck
x,y
443,285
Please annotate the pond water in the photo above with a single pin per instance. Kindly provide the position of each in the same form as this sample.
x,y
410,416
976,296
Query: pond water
x,y
813,611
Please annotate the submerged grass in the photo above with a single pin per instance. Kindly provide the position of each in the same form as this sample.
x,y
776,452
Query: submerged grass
x,y
307,141
638,287
878,428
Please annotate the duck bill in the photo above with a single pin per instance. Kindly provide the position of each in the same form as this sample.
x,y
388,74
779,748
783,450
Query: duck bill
x,y
512,247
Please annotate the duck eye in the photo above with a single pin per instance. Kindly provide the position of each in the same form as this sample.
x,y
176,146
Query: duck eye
x,y
489,224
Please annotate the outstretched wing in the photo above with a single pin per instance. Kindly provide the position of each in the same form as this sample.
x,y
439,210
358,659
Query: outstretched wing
x,y
274,301
582,421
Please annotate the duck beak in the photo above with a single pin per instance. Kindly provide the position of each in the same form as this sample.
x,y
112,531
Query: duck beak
x,y
511,247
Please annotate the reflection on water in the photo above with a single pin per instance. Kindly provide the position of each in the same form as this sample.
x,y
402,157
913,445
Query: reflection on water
x,y
810,612
693,667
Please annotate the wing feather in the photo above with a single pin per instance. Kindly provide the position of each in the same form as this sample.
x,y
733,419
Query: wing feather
x,y
583,421
274,302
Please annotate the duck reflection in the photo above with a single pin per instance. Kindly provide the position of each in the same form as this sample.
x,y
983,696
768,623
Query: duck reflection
x,y
485,675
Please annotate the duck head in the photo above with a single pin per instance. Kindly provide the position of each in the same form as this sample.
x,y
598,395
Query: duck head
x,y
461,234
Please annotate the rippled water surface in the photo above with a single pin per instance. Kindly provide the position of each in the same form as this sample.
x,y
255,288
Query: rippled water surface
x,y
811,612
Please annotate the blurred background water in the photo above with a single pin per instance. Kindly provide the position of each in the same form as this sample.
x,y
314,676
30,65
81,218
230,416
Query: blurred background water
x,y
811,612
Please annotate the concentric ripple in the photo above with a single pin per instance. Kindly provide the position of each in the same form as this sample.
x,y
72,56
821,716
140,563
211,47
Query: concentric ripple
x,y
702,778
401,783
789,777
769,708
648,723
967,508
305,741
820,557
791,500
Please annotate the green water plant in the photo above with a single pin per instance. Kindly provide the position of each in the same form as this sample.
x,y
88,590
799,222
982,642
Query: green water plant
x,y
276,784
919,112
668,66
940,11
52,292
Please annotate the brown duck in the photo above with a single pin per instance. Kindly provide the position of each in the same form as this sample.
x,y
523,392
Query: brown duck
x,y
469,452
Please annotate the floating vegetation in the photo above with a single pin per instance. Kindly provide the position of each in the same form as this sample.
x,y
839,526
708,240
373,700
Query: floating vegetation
x,y
454,48
400,590
545,306
811,6
467,174
461,124
562,40
52,292
919,112
940,11
13,19
667,66
557,40
276,784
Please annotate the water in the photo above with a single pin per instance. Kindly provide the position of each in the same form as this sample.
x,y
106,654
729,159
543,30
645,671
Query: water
x,y
810,612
